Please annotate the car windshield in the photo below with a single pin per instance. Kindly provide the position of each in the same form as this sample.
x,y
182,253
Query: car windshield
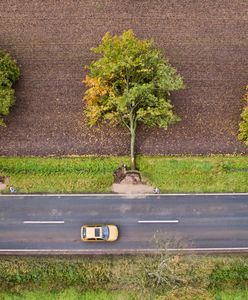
x,y
105,232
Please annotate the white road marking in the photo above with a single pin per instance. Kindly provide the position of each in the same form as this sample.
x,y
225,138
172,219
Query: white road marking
x,y
130,250
158,221
43,222
122,195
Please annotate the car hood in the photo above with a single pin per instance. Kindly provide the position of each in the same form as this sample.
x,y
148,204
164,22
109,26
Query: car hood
x,y
113,233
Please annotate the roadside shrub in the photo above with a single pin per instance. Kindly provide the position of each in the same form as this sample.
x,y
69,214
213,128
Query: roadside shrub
x,y
177,272
53,273
9,73
165,277
229,273
243,125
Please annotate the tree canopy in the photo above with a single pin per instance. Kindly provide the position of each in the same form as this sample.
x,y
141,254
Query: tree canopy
x,y
9,73
243,125
130,84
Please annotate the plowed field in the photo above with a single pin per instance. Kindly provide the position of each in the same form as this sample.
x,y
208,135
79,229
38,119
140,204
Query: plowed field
x,y
206,41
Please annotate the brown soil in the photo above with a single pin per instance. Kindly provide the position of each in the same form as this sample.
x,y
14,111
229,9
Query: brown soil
x,y
2,186
122,188
51,40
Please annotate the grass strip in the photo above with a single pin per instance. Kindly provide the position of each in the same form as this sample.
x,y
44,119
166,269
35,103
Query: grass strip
x,y
172,174
73,294
70,294
124,277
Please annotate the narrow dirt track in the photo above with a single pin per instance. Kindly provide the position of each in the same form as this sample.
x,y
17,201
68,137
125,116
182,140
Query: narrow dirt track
x,y
51,40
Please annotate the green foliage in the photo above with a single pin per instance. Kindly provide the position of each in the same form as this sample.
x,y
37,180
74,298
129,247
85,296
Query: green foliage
x,y
130,80
9,73
229,272
177,277
243,125
8,69
130,84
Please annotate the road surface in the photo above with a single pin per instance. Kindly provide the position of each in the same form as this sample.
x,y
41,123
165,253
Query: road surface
x,y
51,223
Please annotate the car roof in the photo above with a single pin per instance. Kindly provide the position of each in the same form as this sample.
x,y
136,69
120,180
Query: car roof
x,y
93,232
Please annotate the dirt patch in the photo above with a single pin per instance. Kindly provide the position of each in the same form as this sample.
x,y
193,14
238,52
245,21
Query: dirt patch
x,y
124,188
4,181
132,184
205,40
2,186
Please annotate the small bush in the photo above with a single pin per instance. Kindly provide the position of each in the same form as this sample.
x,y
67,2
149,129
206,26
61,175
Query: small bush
x,y
9,73
229,273
243,125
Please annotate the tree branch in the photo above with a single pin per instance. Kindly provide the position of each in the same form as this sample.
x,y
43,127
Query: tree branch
x,y
124,122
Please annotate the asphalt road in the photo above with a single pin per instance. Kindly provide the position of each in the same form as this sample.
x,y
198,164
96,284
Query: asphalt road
x,y
51,223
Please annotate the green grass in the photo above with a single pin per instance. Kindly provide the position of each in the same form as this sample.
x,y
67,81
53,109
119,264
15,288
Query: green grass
x,y
60,175
73,294
232,295
197,174
172,174
70,294
124,277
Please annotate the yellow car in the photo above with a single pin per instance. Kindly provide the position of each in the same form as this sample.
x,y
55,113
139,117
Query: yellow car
x,y
99,233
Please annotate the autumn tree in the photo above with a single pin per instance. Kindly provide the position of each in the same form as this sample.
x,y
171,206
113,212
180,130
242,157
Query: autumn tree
x,y
9,73
130,84
243,125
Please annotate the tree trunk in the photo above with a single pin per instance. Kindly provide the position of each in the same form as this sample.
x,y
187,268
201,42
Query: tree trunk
x,y
132,144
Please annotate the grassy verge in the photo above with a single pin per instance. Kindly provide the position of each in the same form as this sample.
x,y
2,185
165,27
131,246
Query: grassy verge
x,y
94,174
124,278
73,294
70,294
60,175
232,295
197,174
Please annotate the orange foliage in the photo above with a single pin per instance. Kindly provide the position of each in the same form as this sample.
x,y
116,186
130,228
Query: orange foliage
x,y
96,89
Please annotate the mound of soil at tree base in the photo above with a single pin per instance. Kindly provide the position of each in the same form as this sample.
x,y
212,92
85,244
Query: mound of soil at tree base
x,y
2,186
3,183
128,188
205,40
132,184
